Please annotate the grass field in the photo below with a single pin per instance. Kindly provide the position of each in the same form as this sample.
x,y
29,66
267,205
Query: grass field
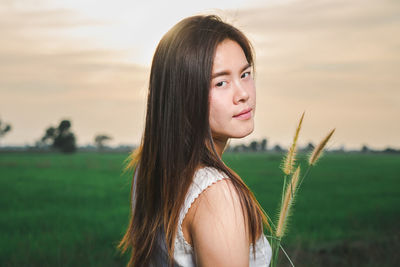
x,y
71,210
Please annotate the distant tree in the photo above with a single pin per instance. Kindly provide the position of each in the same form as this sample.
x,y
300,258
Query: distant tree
x,y
49,136
391,150
264,143
253,146
278,148
60,138
100,139
309,147
365,149
4,128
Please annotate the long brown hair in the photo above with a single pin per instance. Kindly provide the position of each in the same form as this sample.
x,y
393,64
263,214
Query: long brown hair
x,y
177,137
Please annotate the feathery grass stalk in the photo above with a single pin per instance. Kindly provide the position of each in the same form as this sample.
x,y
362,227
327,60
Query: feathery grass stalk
x,y
284,214
290,158
283,188
317,152
287,203
290,189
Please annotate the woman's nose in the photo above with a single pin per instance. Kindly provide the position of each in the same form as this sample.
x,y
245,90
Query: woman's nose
x,y
241,94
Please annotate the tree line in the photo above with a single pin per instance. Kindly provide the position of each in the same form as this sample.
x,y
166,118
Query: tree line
x,y
61,138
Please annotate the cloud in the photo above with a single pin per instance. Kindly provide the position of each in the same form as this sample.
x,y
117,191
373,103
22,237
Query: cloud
x,y
336,59
37,56
49,72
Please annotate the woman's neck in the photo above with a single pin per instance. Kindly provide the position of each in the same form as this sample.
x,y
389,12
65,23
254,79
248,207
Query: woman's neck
x,y
220,144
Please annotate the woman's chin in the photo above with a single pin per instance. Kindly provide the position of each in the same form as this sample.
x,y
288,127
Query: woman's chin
x,y
243,133
234,131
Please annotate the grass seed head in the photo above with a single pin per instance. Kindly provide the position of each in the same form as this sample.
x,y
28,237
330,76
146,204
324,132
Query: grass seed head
x,y
317,152
290,158
284,213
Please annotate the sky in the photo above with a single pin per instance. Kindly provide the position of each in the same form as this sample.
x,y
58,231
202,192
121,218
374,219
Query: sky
x,y
88,61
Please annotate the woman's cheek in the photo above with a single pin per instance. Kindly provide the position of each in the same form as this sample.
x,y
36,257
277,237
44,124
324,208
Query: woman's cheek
x,y
218,111
213,110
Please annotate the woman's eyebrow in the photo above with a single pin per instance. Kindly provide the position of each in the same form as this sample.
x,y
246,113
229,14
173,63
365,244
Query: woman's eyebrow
x,y
227,72
248,65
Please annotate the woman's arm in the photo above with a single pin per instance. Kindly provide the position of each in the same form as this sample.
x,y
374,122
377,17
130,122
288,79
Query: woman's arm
x,y
217,227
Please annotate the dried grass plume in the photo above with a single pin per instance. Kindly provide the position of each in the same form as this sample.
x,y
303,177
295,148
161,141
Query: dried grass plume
x,y
290,158
287,203
317,152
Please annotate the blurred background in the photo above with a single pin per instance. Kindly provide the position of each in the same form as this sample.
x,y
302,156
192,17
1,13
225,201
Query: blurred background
x,y
88,61
73,78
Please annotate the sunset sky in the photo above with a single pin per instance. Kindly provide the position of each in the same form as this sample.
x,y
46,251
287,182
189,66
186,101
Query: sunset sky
x,y
88,61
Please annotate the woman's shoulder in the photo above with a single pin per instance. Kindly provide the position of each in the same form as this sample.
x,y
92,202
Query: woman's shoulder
x,y
216,219
213,186
206,176
219,191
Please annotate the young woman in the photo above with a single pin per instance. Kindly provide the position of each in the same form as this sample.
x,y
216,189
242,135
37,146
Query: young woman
x,y
188,207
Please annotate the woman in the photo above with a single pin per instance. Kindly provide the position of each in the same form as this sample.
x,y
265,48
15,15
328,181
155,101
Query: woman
x,y
188,207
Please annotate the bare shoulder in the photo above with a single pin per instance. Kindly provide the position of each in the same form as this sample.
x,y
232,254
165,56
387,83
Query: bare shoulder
x,y
222,190
217,227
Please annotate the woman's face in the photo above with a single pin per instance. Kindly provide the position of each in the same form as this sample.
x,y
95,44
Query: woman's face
x,y
232,93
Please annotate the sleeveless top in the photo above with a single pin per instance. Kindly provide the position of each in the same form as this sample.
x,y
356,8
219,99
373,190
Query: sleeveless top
x,y
183,252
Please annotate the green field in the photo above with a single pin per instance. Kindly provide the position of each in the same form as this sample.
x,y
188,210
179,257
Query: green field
x,y
71,210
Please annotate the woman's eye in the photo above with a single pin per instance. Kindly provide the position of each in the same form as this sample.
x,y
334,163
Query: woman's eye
x,y
220,84
246,74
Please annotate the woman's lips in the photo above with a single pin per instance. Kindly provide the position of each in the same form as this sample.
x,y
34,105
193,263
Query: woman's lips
x,y
244,115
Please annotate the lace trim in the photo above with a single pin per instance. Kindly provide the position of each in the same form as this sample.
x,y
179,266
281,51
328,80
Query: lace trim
x,y
203,179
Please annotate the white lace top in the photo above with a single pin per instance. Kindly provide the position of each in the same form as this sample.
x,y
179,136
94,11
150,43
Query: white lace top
x,y
183,252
